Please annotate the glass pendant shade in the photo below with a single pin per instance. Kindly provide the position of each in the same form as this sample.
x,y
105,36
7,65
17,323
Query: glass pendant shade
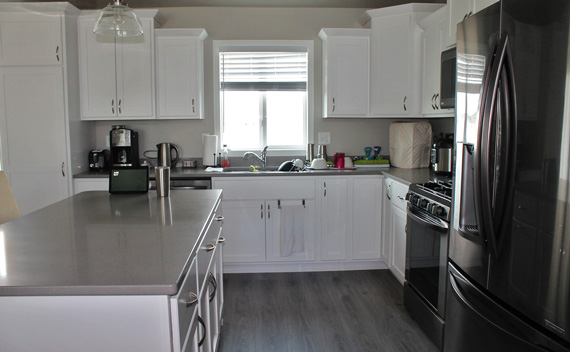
x,y
118,20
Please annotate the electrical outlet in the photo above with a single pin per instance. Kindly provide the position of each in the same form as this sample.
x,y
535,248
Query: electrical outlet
x,y
324,138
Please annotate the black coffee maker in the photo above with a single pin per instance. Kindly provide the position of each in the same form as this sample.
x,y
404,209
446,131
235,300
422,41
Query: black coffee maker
x,y
124,147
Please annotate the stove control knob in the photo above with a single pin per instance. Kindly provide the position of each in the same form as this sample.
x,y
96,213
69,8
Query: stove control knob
x,y
409,196
424,204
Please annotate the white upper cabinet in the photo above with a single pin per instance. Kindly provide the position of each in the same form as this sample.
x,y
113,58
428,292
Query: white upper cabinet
x,y
180,73
433,37
395,70
116,75
459,10
30,38
346,55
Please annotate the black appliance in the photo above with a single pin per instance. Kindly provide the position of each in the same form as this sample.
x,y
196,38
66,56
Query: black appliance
x,y
509,247
429,208
447,79
124,147
99,159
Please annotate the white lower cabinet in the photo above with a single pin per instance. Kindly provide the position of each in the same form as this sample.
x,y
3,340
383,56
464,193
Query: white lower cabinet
x,y
395,218
367,218
270,220
246,239
90,184
335,217
302,223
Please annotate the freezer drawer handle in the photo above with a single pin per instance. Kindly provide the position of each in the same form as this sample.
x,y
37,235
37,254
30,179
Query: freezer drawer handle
x,y
494,315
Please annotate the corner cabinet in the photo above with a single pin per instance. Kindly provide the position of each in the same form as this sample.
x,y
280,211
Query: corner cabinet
x,y
180,73
346,56
394,228
117,74
395,70
38,85
433,43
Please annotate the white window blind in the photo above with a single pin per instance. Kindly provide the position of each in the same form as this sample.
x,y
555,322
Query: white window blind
x,y
263,71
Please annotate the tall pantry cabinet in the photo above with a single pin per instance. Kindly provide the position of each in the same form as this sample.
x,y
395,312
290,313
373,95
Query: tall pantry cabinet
x,y
42,140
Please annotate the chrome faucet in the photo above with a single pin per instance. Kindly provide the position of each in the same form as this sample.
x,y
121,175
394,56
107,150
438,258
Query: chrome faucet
x,y
262,159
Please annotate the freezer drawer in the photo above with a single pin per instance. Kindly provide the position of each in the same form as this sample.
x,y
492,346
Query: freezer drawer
x,y
475,322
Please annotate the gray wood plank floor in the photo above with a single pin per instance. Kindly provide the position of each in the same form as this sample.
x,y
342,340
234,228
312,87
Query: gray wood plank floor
x,y
321,311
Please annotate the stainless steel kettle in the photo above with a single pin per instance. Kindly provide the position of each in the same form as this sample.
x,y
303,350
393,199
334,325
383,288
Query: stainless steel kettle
x,y
168,154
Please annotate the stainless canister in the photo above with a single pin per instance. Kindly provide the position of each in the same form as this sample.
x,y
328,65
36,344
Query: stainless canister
x,y
322,151
310,152
162,177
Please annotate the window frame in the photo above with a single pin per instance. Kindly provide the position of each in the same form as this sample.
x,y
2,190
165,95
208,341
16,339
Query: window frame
x,y
266,45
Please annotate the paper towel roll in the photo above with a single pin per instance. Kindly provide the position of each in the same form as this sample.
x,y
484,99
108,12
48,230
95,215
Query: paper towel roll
x,y
210,148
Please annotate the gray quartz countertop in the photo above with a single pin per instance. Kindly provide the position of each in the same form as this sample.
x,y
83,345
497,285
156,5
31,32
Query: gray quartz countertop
x,y
95,243
406,176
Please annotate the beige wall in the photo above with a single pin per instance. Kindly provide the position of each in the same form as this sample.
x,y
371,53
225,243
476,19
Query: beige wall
x,y
347,135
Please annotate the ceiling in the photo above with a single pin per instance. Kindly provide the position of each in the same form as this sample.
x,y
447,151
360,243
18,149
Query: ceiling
x,y
99,4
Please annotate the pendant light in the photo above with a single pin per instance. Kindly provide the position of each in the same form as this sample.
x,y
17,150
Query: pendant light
x,y
118,20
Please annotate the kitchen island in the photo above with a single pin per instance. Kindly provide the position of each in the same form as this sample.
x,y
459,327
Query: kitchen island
x,y
101,272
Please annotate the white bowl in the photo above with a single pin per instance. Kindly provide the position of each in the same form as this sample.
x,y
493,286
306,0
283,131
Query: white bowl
x,y
319,163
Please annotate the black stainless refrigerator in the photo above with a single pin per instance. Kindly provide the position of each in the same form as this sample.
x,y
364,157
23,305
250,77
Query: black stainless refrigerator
x,y
509,249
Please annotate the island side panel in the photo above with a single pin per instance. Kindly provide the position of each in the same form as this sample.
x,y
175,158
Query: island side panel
x,y
85,323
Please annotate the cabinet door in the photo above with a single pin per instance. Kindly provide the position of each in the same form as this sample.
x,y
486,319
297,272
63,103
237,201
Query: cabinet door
x,y
97,77
244,224
33,135
386,220
431,45
334,218
135,75
391,68
366,218
398,235
347,76
30,39
290,230
179,77
479,5
458,10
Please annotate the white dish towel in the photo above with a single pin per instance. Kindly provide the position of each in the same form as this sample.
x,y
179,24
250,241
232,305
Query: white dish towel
x,y
292,235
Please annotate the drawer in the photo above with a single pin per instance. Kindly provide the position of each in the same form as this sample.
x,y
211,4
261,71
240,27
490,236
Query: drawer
x,y
398,194
184,308
207,249
255,187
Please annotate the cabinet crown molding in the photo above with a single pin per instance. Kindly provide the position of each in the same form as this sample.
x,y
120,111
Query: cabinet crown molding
x,y
420,11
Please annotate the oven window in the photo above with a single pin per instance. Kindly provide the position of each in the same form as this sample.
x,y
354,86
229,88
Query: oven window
x,y
423,257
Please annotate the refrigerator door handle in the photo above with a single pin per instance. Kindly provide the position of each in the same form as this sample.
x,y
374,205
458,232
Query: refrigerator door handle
x,y
499,94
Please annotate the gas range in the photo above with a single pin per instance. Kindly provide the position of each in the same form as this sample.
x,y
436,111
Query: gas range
x,y
432,197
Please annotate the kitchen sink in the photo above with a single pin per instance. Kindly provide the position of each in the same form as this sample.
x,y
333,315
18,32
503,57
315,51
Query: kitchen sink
x,y
245,170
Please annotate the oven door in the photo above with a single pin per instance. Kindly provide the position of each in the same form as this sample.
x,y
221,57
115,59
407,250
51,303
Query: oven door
x,y
426,256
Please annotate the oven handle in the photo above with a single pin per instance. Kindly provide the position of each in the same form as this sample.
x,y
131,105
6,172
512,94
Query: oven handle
x,y
429,221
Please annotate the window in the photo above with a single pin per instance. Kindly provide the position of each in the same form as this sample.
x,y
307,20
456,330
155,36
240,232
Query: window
x,y
264,95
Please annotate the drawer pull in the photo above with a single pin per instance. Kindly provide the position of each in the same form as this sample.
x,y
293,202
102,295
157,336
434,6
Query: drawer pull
x,y
400,198
220,218
221,240
193,300
210,247
201,321
214,283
